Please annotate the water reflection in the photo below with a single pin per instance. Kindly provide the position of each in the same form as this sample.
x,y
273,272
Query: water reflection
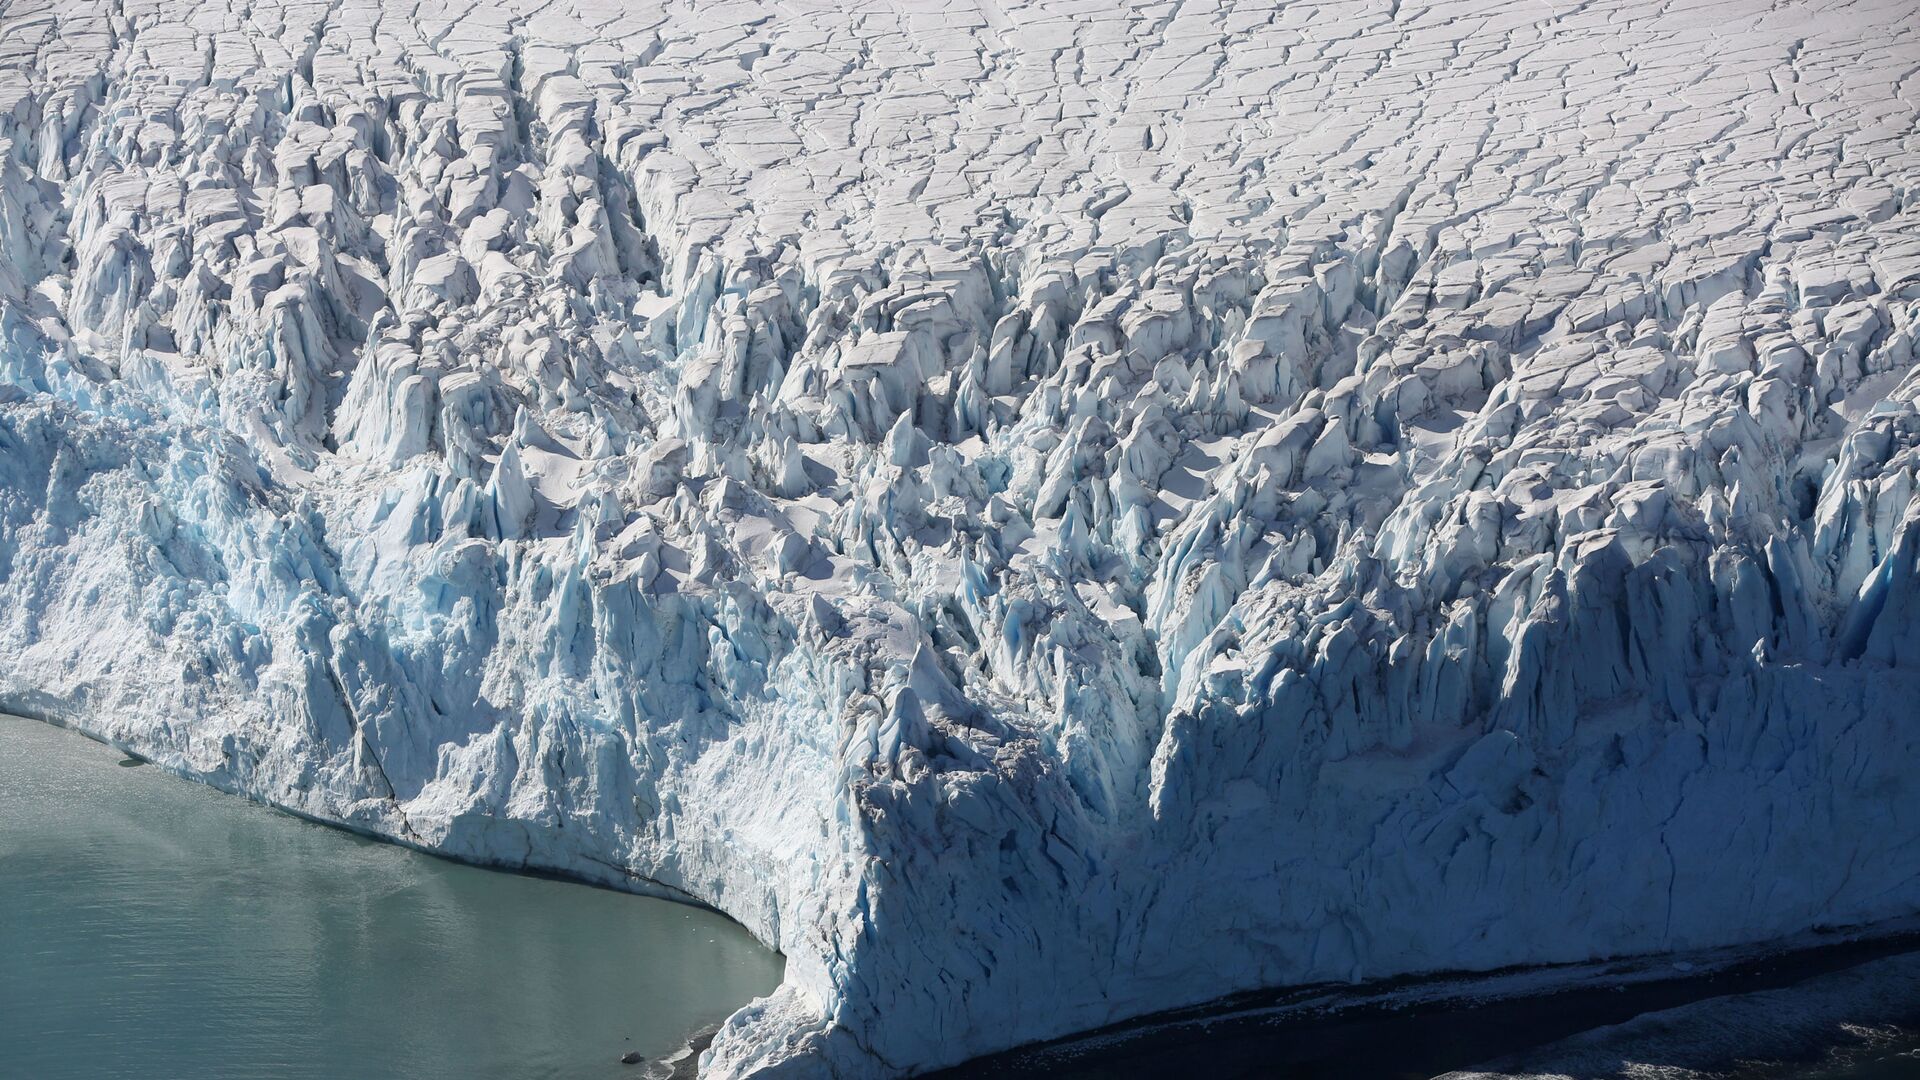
x,y
157,928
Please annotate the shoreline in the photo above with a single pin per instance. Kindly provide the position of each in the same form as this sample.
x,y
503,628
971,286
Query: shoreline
x,y
1558,1000
161,859
631,885
1432,1024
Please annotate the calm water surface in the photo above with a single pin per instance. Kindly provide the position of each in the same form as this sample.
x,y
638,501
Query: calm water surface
x,y
153,928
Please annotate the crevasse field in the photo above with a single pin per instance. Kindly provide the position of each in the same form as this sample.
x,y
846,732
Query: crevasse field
x,y
1043,513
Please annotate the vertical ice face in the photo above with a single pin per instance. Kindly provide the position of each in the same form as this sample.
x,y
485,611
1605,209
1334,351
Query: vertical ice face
x,y
1044,513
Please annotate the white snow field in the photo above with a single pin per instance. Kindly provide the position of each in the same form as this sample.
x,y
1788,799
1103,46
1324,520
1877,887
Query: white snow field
x,y
1042,513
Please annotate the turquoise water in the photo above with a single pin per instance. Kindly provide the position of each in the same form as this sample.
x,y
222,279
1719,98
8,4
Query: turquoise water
x,y
152,928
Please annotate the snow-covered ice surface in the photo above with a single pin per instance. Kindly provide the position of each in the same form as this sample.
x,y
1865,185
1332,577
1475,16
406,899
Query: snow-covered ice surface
x,y
1043,513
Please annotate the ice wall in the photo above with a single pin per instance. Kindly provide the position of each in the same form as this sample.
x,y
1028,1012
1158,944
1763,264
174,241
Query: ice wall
x,y
1043,513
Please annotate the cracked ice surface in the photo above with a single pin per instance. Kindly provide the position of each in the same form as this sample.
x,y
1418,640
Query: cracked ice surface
x,y
1044,513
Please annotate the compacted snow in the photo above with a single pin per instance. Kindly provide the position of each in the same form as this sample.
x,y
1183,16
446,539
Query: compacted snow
x,y
1043,513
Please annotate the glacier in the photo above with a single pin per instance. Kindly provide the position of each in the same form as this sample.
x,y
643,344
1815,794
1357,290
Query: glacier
x,y
1043,512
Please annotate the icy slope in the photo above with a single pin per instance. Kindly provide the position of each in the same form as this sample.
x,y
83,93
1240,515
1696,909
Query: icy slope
x,y
1043,513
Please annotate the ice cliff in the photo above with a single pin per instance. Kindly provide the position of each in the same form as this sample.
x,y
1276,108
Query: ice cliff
x,y
1044,513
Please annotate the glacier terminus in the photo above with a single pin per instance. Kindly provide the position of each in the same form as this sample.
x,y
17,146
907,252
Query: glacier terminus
x,y
1043,512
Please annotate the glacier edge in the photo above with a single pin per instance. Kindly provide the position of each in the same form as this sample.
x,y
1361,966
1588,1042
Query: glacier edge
x,y
1006,540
